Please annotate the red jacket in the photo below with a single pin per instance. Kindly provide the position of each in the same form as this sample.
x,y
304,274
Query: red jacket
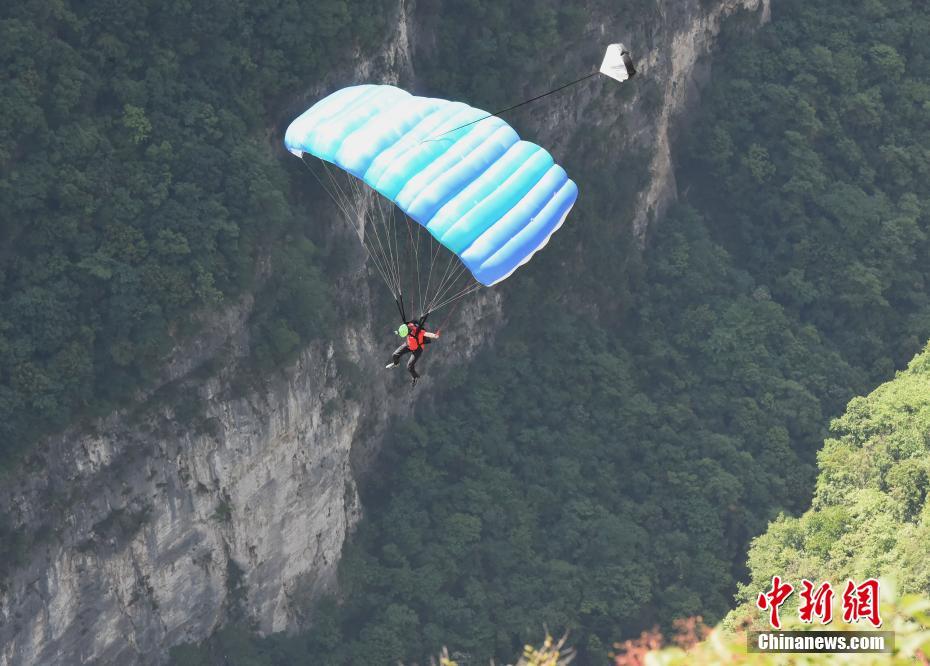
x,y
415,337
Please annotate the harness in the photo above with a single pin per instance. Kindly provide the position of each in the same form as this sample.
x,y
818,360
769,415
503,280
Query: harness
x,y
415,337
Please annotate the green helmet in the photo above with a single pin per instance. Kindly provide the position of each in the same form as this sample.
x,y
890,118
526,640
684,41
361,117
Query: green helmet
x,y
402,330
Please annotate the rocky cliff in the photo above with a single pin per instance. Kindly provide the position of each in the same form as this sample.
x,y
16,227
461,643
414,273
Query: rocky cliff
x,y
156,533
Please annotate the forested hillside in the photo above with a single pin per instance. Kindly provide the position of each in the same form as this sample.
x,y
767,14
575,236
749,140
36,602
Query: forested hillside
x,y
604,473
823,154
605,463
869,516
138,186
869,519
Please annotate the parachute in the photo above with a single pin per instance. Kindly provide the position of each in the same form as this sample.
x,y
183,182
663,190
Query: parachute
x,y
481,192
485,198
618,63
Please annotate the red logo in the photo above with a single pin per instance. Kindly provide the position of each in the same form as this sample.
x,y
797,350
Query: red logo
x,y
816,602
774,598
860,602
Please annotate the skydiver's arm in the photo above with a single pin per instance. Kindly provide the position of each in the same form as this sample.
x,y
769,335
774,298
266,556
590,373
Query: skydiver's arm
x,y
428,334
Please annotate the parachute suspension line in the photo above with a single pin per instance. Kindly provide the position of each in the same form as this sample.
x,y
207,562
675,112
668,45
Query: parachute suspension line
x,y
415,247
391,233
429,276
446,292
379,216
352,212
444,298
370,216
455,272
386,216
448,316
450,277
427,307
516,106
410,251
419,286
378,251
397,255
470,289
450,270
386,236
368,226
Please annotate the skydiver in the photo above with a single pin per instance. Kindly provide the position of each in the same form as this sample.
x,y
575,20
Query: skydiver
x,y
417,337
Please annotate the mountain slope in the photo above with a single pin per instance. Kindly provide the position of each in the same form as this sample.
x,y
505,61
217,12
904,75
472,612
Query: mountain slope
x,y
870,516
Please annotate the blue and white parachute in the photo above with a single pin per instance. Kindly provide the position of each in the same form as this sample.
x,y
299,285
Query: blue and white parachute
x,y
462,174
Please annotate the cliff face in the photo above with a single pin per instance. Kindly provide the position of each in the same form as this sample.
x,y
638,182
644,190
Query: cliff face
x,y
158,533
684,64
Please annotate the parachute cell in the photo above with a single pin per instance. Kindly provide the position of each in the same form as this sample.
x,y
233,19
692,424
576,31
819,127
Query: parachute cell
x,y
482,192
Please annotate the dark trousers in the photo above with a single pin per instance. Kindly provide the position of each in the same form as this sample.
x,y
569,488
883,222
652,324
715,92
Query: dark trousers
x,y
414,357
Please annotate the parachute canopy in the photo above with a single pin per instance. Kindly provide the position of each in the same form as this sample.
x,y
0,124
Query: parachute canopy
x,y
483,193
618,63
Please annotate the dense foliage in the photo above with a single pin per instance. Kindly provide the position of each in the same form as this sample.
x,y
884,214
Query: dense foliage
x,y
597,476
588,482
823,159
604,466
137,184
870,515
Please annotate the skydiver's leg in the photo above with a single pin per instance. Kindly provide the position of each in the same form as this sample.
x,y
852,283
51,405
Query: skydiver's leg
x,y
411,364
395,357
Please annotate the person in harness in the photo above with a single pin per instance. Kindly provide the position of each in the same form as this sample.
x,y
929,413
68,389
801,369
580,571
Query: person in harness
x,y
417,337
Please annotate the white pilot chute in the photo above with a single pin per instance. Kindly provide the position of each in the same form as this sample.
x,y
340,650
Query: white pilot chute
x,y
618,63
